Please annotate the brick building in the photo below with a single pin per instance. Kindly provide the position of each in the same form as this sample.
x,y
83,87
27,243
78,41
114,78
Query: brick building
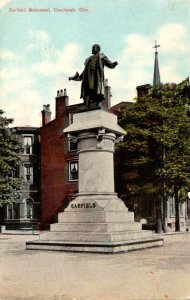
x,y
120,107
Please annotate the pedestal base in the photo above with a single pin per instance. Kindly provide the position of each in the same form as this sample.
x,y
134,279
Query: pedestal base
x,y
96,223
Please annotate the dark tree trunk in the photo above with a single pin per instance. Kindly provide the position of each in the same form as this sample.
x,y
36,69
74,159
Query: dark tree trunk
x,y
164,215
162,211
177,220
159,215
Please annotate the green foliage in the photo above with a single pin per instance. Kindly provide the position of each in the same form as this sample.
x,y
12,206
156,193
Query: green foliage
x,y
156,149
9,162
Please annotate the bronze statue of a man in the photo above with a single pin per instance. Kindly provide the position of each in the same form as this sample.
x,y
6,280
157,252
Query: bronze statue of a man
x,y
92,88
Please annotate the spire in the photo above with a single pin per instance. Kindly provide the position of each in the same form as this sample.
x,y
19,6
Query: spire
x,y
156,78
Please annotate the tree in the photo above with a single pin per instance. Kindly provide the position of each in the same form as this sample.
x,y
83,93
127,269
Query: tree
x,y
176,143
9,162
154,158
136,158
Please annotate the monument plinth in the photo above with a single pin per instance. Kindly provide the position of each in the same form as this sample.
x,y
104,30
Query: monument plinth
x,y
96,220
96,133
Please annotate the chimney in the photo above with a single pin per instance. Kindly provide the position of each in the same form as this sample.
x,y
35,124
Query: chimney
x,y
143,90
46,114
62,101
107,102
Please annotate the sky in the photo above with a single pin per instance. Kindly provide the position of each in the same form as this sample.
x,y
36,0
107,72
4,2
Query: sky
x,y
40,50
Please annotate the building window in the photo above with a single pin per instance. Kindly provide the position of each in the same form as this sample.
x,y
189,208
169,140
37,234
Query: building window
x,y
12,211
9,212
28,174
27,141
28,208
181,209
172,206
15,211
72,146
70,118
73,170
11,173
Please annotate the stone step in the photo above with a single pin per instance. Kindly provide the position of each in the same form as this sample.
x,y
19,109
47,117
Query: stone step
x,y
109,247
95,236
95,217
95,227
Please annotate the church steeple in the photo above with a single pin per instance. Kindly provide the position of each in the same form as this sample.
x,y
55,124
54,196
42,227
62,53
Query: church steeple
x,y
156,78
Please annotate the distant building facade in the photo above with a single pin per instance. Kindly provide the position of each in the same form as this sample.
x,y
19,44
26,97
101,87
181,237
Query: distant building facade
x,y
120,107
26,212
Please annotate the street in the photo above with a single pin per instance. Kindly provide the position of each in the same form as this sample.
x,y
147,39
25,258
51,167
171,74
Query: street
x,y
150,274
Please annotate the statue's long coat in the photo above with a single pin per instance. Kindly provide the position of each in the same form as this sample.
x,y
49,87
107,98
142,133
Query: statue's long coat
x,y
94,82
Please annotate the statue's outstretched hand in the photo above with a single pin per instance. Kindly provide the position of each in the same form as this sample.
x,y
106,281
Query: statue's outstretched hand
x,y
74,77
115,63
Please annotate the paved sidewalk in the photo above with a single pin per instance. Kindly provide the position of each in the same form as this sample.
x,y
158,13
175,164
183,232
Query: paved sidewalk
x,y
152,274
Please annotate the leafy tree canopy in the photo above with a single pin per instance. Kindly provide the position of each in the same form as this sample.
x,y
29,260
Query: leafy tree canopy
x,y
156,149
9,162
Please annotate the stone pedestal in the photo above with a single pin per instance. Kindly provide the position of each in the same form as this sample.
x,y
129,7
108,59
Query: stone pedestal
x,y
96,220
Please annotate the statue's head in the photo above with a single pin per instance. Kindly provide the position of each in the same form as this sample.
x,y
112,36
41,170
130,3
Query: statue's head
x,y
96,49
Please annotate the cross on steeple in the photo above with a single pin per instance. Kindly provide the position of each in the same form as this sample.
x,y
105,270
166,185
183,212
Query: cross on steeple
x,y
156,46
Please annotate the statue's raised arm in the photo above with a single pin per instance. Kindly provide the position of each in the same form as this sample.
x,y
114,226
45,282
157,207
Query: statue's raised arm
x,y
75,77
92,88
